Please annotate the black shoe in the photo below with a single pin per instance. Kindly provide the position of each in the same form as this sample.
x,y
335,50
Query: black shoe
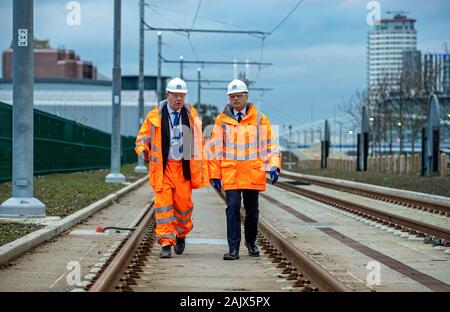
x,y
179,247
166,252
252,250
231,255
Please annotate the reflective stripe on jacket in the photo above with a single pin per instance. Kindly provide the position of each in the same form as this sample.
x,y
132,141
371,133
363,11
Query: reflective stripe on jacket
x,y
149,139
241,153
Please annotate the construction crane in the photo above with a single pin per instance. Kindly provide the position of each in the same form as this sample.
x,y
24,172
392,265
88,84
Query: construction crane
x,y
397,13
445,47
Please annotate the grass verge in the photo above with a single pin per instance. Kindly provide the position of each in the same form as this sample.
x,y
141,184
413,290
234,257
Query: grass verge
x,y
64,194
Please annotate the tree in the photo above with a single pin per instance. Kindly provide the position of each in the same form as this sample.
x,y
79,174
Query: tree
x,y
208,113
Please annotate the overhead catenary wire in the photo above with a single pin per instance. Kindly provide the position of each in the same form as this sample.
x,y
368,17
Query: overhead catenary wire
x,y
258,34
287,16
273,30
192,26
188,14
196,13
163,17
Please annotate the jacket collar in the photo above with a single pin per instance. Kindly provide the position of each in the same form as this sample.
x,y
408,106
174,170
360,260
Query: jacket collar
x,y
229,116
155,114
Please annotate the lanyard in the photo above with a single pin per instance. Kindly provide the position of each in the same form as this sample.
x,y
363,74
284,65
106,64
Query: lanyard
x,y
171,123
179,132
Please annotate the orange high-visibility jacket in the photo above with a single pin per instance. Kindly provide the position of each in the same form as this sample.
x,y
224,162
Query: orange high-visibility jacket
x,y
149,138
241,153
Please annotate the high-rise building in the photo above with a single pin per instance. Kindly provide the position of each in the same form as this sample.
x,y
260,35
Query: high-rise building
x,y
387,43
436,69
412,65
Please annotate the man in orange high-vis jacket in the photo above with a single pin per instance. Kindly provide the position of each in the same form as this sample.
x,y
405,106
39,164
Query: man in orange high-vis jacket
x,y
242,148
171,140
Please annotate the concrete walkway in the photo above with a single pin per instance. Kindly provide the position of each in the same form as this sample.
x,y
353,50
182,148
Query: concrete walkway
x,y
201,267
65,260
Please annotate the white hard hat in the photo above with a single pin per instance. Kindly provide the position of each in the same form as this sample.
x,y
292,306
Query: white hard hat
x,y
236,86
177,85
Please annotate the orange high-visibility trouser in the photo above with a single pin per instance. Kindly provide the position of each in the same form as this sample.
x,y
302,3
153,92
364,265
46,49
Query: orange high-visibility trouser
x,y
173,205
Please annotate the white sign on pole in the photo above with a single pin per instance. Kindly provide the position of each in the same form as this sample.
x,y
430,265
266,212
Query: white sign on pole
x,y
22,37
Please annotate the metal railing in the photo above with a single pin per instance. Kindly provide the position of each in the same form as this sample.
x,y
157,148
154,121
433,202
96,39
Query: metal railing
x,y
61,145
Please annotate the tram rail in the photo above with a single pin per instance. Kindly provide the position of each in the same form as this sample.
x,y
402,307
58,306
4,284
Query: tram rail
x,y
424,205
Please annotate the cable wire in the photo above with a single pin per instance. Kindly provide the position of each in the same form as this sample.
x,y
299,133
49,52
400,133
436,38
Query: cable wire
x,y
287,16
200,17
196,13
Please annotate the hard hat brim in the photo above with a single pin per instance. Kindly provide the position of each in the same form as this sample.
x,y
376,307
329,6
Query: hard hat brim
x,y
235,91
176,91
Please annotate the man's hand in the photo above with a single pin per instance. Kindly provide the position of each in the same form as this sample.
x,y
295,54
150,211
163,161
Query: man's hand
x,y
216,183
274,175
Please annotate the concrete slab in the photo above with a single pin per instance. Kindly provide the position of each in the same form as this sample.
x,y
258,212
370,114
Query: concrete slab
x,y
61,263
39,221
344,261
18,247
201,267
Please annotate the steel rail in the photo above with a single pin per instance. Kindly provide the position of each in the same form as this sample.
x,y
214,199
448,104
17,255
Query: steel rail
x,y
318,276
118,265
380,216
397,199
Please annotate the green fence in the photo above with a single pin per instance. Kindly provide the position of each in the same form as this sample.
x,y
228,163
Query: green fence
x,y
61,145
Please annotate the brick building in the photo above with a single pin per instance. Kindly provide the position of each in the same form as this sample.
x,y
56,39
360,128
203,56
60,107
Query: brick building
x,y
52,63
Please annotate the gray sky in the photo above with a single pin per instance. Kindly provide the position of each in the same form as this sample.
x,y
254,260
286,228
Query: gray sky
x,y
319,52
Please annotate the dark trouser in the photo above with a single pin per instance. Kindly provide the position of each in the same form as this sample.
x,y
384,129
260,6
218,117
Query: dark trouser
x,y
234,218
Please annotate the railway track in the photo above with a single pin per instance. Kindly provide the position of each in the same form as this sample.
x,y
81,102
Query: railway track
x,y
424,205
123,269
397,222
340,248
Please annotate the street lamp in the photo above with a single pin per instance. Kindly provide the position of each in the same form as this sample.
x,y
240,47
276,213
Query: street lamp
x,y
305,132
181,67
289,145
350,132
371,130
340,135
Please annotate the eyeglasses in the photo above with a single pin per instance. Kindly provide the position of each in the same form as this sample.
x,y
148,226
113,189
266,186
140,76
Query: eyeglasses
x,y
238,95
175,95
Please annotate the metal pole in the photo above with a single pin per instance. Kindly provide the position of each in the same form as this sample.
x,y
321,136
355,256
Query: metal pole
x,y
158,81
140,168
340,136
289,146
115,176
199,73
354,139
181,67
22,203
